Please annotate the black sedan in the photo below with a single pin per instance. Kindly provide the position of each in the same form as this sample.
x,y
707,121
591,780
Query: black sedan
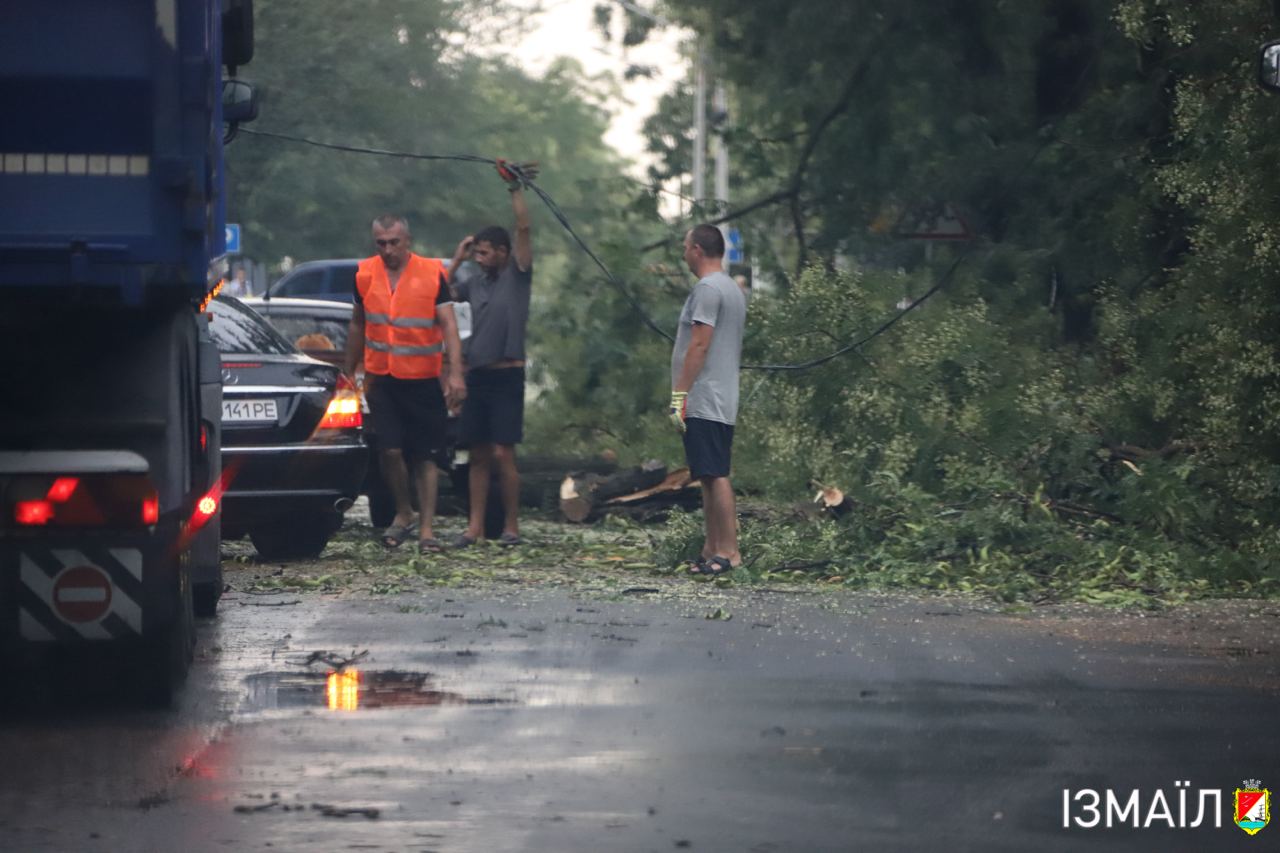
x,y
293,452
318,327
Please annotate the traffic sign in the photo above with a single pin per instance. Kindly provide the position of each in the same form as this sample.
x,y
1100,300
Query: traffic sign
x,y
82,594
233,239
734,253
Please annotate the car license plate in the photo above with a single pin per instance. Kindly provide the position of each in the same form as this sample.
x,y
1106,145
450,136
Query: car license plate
x,y
248,410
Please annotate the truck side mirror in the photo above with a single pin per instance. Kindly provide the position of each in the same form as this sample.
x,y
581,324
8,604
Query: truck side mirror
x,y
1269,66
239,101
237,33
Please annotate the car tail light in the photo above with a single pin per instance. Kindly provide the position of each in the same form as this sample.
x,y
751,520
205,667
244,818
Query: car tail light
x,y
344,408
86,501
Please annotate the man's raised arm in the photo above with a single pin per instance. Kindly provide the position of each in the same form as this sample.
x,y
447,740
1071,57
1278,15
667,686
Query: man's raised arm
x,y
516,178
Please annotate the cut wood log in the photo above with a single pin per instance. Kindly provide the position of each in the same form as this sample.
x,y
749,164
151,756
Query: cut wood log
x,y
583,495
833,501
652,505
677,481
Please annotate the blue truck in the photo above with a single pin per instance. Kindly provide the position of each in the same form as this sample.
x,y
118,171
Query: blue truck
x,y
111,245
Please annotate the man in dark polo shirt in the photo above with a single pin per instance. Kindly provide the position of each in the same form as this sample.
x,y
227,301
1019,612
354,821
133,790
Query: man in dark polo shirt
x,y
492,421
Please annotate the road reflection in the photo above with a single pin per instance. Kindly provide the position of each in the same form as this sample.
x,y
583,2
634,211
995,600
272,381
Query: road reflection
x,y
349,690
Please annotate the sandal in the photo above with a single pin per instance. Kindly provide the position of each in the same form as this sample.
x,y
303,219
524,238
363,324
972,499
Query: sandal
x,y
713,568
430,545
462,540
694,567
510,539
395,535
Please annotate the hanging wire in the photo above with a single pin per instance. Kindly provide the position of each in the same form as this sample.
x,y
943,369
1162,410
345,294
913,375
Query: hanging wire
x,y
775,198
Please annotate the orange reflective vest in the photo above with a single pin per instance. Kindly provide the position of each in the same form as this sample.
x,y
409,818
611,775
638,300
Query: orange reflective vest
x,y
401,336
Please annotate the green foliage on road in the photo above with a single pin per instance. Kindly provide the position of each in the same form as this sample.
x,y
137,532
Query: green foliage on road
x,y
1089,409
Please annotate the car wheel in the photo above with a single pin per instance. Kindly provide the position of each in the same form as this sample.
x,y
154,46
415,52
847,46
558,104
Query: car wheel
x,y
382,507
494,516
296,539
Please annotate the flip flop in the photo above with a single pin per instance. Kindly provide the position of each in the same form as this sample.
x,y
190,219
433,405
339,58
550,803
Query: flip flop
x,y
510,539
694,566
713,568
430,545
395,535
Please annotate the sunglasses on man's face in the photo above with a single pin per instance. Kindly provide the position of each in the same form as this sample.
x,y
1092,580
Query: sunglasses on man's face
x,y
393,242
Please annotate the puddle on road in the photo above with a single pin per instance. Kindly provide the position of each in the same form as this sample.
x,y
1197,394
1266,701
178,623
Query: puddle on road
x,y
350,690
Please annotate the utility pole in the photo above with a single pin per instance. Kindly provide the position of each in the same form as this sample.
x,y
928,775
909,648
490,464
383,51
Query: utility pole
x,y
700,126
720,103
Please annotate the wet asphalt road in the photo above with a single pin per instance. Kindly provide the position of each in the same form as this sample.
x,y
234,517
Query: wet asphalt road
x,y
540,720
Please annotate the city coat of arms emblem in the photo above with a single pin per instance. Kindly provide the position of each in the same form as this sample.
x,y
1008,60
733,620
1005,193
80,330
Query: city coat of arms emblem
x,y
1253,806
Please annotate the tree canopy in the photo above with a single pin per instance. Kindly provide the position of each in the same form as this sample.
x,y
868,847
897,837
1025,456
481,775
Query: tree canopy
x,y
413,76
1092,392
1087,403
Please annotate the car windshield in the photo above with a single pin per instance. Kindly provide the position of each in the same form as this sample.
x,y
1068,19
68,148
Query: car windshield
x,y
239,330
310,332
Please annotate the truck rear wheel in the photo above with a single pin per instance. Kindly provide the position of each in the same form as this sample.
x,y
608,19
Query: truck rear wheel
x,y
205,598
167,657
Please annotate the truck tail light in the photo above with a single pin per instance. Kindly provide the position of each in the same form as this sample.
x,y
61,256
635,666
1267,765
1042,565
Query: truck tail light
x,y
62,489
344,408
84,501
206,508
33,513
150,510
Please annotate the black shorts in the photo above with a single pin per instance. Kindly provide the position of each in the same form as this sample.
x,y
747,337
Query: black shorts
x,y
708,446
494,410
409,415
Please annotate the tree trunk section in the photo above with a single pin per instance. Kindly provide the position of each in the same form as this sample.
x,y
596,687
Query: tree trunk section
x,y
583,497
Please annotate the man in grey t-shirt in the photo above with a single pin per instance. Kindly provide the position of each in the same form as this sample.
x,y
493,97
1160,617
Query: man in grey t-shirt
x,y
704,391
492,421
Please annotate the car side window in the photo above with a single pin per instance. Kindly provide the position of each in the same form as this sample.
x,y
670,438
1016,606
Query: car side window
x,y
304,282
341,281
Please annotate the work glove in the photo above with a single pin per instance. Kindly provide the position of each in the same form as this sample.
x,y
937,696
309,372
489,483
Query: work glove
x,y
517,175
679,401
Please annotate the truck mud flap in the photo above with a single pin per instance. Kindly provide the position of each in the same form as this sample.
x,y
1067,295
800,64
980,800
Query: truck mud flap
x,y
79,593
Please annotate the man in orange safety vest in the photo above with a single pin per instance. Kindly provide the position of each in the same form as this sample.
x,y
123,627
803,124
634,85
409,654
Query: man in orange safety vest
x,y
402,324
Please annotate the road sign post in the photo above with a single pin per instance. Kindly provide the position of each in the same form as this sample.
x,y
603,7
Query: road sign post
x,y
733,249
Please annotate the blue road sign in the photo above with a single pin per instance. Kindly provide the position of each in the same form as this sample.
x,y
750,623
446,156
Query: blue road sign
x,y
735,246
233,239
